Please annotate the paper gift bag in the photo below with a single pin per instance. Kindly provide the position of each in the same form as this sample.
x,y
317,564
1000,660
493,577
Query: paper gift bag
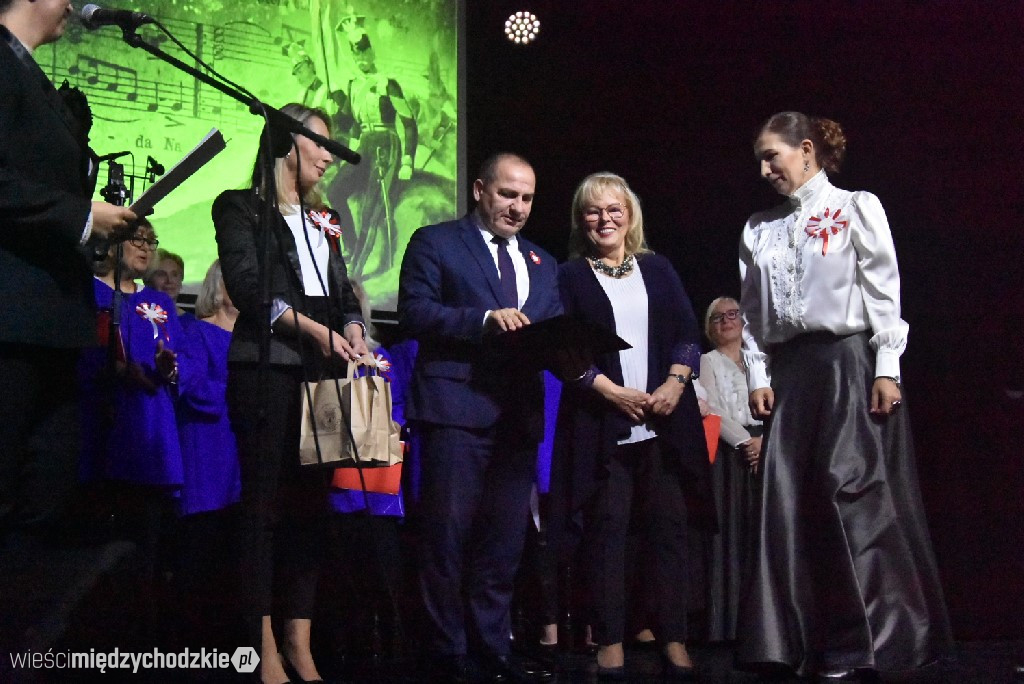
x,y
348,418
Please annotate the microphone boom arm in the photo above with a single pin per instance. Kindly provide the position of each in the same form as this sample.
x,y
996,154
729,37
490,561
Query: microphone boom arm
x,y
273,115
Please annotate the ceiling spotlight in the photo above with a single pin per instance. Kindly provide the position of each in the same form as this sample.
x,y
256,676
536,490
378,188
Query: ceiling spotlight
x,y
522,28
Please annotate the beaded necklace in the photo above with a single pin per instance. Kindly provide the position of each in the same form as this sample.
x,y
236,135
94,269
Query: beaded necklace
x,y
622,270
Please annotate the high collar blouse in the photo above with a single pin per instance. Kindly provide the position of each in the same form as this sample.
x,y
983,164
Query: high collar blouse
x,y
821,261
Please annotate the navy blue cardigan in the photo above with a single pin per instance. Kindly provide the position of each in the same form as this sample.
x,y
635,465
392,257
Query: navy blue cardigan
x,y
589,426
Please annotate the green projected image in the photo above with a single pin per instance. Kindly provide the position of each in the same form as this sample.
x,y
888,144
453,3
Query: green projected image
x,y
384,71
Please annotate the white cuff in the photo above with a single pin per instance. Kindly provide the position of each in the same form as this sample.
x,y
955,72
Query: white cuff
x,y
277,307
757,370
887,363
88,229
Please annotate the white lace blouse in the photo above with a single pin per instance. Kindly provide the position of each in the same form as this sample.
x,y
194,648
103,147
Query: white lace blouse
x,y
822,260
727,394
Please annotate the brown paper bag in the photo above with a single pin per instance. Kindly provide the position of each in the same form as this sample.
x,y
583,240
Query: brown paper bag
x,y
364,404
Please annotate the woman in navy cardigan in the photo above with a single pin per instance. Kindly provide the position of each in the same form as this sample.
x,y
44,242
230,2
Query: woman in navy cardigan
x,y
629,430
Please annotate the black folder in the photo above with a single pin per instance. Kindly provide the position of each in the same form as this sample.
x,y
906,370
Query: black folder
x,y
538,344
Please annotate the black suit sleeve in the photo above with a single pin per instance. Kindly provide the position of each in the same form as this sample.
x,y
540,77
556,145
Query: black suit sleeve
x,y
234,222
31,209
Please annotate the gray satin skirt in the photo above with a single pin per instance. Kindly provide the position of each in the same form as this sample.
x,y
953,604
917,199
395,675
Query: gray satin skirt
x,y
841,573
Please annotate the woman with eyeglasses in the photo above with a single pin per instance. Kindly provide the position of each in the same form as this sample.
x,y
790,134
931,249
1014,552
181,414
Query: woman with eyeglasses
x,y
842,581
315,329
734,473
630,441
131,457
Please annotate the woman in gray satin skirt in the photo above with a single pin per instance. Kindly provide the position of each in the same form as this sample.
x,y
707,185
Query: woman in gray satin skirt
x,y
842,582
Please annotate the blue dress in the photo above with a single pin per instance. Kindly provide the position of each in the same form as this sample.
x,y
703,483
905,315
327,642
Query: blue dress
x,y
208,450
129,433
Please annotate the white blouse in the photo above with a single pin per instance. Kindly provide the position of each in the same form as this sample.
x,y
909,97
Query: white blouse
x,y
727,394
313,257
310,262
822,260
628,297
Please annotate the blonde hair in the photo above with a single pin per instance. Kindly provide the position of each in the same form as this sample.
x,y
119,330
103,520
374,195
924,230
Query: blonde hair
x,y
210,299
313,198
711,312
590,189
154,265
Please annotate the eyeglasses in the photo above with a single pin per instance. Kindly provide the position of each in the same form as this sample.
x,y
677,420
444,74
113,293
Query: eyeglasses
x,y
141,242
731,314
593,214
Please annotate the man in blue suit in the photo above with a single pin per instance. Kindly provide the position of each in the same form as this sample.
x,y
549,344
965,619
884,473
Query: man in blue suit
x,y
480,415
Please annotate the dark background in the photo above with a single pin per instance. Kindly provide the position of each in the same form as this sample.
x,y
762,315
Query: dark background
x,y
669,94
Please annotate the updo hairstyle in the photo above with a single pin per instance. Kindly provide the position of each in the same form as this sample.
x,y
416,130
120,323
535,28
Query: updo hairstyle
x,y
827,136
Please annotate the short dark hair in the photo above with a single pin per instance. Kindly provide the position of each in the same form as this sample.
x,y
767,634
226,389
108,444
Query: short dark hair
x,y
489,167
5,5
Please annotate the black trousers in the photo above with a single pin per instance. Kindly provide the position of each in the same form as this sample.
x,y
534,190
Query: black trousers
x,y
641,493
39,435
283,511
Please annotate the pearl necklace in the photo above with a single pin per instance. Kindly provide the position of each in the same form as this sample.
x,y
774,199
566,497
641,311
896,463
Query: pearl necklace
x,y
620,271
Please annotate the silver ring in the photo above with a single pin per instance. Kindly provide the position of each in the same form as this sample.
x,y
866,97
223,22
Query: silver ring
x,y
896,403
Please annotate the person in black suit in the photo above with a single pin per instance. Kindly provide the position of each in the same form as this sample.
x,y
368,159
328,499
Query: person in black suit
x,y
46,295
480,417
315,327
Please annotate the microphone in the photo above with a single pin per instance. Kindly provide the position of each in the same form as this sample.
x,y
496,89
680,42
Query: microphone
x,y
154,167
111,157
93,17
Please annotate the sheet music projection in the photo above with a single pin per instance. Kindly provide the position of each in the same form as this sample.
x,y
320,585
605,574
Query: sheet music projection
x,y
385,73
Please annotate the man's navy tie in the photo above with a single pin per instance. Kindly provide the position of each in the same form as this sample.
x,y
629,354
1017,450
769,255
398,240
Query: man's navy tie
x,y
507,275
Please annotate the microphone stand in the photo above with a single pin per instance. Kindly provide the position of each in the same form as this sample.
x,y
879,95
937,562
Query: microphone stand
x,y
277,120
278,124
116,193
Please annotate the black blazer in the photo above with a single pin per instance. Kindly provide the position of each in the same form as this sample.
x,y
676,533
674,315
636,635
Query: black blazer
x,y
589,427
236,219
46,293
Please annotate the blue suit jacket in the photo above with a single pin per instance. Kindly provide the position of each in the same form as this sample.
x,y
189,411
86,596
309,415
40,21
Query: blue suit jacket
x,y
448,282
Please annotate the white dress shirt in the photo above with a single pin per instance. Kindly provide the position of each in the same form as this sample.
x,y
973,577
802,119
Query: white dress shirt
x,y
518,262
821,261
309,261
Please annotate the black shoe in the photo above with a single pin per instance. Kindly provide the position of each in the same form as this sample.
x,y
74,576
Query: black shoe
x,y
293,674
646,646
840,675
676,673
504,668
547,654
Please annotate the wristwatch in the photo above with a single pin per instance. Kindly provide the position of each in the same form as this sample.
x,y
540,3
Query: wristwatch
x,y
682,379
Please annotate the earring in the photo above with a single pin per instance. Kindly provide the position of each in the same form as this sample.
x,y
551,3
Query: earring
x,y
807,166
